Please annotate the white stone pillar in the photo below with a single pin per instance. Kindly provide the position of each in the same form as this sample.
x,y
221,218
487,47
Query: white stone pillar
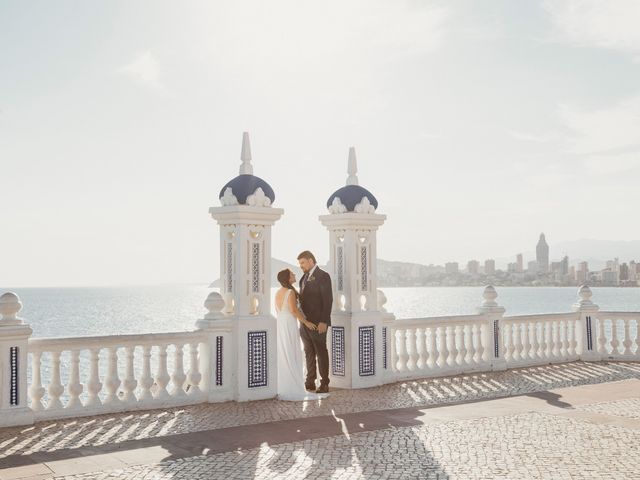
x,y
492,329
587,333
14,348
245,233
356,336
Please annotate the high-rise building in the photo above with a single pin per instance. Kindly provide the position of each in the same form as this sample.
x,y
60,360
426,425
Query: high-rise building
x,y
564,265
451,267
582,274
473,267
532,267
489,267
520,266
542,255
624,272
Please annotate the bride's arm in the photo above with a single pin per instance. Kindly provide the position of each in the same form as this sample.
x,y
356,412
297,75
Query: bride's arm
x,y
293,307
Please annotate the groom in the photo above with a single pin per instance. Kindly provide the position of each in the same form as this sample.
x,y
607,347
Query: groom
x,y
316,299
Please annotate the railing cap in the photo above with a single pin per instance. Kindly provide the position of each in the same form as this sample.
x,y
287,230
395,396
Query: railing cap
x,y
489,305
10,305
584,302
215,305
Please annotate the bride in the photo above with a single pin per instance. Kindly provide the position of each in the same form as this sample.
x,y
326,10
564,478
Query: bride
x,y
290,360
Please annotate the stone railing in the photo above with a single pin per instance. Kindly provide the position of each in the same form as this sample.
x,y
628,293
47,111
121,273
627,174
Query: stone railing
x,y
426,347
47,378
488,340
124,362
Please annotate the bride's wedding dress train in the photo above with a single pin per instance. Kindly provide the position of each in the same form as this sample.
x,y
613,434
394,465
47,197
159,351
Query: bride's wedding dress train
x,y
290,357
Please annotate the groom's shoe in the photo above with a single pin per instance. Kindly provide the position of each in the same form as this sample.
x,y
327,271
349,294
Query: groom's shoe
x,y
323,389
310,387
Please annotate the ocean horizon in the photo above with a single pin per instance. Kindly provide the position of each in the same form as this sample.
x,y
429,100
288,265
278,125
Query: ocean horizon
x,y
84,311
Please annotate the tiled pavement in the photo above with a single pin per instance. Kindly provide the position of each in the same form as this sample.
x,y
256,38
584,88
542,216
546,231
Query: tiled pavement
x,y
585,432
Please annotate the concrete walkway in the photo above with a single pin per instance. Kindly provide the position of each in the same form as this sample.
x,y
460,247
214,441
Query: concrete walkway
x,y
523,434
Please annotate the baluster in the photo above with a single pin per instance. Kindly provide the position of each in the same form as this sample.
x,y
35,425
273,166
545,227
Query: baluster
x,y
507,341
627,338
146,380
194,376
421,348
614,337
443,353
162,377
112,381
451,345
432,361
56,389
178,377
75,387
470,345
637,353
36,391
518,353
401,344
602,339
393,344
555,337
574,337
480,351
411,349
462,354
544,342
535,344
129,383
93,385
526,343
563,339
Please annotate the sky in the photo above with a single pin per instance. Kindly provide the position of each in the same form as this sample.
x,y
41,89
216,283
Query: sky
x,y
477,125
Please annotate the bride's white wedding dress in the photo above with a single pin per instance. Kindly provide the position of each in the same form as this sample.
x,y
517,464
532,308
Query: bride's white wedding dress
x,y
290,357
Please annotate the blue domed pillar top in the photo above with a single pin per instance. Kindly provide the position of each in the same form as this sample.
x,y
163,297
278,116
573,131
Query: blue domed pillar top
x,y
359,340
245,217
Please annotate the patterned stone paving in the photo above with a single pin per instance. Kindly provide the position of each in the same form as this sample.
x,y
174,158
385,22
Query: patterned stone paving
x,y
524,446
629,408
99,430
530,445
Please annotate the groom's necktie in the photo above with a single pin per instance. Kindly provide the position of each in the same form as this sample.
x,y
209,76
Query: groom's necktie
x,y
304,282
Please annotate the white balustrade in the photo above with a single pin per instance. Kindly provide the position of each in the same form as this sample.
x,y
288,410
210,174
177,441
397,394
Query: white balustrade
x,y
101,389
540,339
612,326
438,346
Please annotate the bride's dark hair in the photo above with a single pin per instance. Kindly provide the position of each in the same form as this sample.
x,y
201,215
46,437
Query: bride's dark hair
x,y
283,278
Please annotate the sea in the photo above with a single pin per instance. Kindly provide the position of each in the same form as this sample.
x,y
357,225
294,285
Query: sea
x,y
65,312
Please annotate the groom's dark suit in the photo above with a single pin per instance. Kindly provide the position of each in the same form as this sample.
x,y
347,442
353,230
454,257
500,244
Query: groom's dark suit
x,y
316,299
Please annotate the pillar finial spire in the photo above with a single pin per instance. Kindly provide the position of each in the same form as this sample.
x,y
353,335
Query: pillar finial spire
x,y
352,179
246,168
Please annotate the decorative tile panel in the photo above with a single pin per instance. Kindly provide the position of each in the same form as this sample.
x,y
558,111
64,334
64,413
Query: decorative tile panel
x,y
364,271
589,334
337,351
496,333
257,353
13,376
219,357
229,260
340,264
255,267
366,351
384,347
